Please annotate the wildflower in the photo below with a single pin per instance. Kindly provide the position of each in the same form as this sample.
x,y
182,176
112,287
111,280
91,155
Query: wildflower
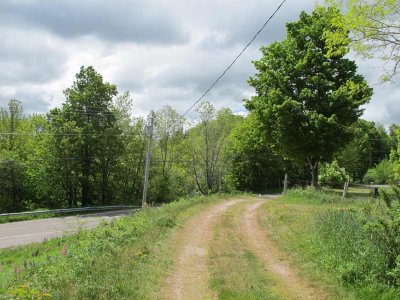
x,y
64,250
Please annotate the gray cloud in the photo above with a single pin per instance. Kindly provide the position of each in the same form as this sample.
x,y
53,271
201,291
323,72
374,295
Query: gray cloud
x,y
29,57
164,51
119,20
199,72
232,23
33,100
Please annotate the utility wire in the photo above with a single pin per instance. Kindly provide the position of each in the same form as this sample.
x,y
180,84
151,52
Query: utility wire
x,y
234,61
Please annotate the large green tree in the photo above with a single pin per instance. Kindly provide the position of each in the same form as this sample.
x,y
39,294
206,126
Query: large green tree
x,y
306,98
87,137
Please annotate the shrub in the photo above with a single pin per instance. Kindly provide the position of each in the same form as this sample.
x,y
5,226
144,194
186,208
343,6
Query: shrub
x,y
363,246
332,175
381,173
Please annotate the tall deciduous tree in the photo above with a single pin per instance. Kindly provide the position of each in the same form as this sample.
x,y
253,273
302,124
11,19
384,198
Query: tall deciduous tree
x,y
168,134
306,98
87,134
207,145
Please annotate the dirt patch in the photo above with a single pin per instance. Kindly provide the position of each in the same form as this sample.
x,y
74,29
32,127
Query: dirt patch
x,y
190,278
275,259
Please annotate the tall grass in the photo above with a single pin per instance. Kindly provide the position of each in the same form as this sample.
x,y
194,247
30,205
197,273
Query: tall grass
x,y
351,244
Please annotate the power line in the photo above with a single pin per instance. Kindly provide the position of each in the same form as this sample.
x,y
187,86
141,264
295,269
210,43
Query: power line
x,y
234,61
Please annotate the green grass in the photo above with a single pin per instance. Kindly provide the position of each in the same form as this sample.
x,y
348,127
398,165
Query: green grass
x,y
328,239
124,259
235,272
11,219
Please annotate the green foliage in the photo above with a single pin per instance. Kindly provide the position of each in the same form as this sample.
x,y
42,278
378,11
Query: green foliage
x,y
25,292
92,152
13,195
306,98
352,243
168,173
395,157
348,248
370,145
255,165
381,173
332,174
374,28
86,131
207,145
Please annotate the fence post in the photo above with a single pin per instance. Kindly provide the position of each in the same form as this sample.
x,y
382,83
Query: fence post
x,y
285,184
345,189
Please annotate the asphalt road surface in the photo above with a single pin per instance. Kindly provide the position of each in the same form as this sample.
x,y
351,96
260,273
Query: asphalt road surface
x,y
26,232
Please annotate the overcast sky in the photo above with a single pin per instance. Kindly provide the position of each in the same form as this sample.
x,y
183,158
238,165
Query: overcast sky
x,y
163,51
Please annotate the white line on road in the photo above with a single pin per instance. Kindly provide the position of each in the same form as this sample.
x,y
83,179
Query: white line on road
x,y
33,234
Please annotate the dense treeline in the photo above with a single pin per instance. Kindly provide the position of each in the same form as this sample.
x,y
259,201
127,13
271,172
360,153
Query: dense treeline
x,y
92,152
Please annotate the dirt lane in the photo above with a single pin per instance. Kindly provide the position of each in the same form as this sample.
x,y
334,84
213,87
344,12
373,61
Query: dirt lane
x,y
274,259
190,278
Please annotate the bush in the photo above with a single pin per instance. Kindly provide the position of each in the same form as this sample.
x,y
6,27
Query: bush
x,y
381,173
349,248
332,175
360,245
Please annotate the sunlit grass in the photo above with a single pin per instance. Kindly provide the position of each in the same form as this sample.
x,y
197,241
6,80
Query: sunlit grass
x,y
326,239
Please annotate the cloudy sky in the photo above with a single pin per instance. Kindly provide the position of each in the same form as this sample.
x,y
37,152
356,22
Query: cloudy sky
x,y
163,51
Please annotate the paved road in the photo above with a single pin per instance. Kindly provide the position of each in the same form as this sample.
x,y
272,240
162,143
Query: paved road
x,y
26,232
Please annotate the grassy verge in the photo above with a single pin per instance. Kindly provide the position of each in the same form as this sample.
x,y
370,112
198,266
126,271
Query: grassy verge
x,y
236,272
124,259
332,242
11,219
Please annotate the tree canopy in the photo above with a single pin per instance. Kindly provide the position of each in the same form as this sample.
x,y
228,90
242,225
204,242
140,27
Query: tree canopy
x,y
374,28
306,98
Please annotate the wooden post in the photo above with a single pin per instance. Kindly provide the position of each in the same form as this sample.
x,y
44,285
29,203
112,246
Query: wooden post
x,y
285,184
345,189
